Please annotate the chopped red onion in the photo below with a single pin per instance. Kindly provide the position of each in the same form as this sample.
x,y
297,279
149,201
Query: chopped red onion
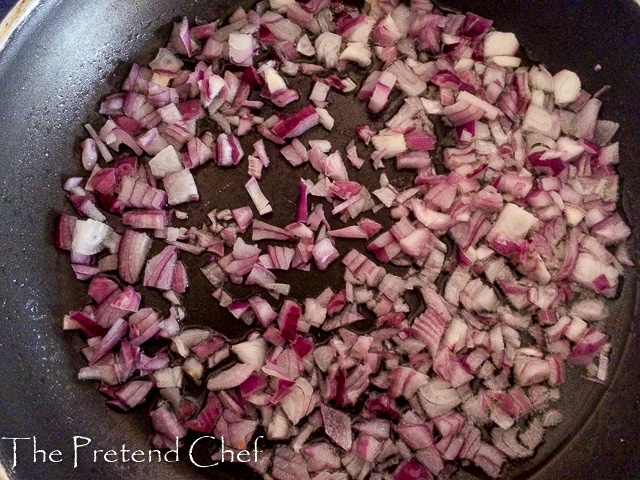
x,y
146,219
229,151
110,340
324,253
381,91
159,270
132,253
337,426
262,231
102,148
139,194
526,192
297,123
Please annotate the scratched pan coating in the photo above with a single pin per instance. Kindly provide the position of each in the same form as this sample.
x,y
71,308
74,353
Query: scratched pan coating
x,y
53,72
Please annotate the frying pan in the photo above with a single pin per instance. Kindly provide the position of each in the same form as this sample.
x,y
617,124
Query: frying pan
x,y
54,70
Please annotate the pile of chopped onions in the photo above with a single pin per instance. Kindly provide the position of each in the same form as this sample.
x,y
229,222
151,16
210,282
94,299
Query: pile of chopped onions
x,y
512,238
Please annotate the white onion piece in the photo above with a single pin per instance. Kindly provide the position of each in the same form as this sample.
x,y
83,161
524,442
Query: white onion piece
x,y
305,47
232,377
359,53
390,143
500,43
89,154
513,223
541,79
252,352
165,162
328,48
181,187
259,200
166,61
88,237
326,119
242,47
566,87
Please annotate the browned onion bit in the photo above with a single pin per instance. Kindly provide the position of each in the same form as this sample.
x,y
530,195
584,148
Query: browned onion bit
x,y
512,240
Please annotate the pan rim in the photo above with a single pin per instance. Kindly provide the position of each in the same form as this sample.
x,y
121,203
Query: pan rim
x,y
14,19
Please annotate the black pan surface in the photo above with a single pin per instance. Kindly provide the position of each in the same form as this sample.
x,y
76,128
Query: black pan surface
x,y
53,72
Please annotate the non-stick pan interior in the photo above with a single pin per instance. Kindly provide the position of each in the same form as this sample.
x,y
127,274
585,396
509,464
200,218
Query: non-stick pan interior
x,y
54,72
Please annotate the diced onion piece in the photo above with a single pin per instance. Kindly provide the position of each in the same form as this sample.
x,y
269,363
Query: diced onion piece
x,y
230,378
500,43
566,87
359,53
275,83
252,352
181,187
490,111
259,200
390,143
242,47
305,47
165,162
506,61
328,48
326,119
88,237
513,223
